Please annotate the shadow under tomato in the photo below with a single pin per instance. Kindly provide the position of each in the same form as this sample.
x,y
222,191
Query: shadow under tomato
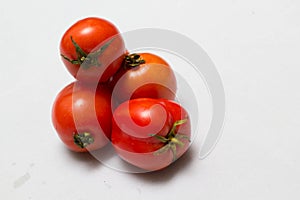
x,y
166,174
85,158
104,154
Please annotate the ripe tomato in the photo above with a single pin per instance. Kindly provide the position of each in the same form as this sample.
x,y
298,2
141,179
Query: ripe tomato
x,y
82,117
144,75
150,133
92,49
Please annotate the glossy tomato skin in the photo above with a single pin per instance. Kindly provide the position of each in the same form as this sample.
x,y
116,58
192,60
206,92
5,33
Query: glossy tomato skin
x,y
80,109
135,143
91,34
152,79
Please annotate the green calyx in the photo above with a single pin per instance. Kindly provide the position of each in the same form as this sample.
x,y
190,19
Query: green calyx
x,y
172,140
83,139
133,60
84,59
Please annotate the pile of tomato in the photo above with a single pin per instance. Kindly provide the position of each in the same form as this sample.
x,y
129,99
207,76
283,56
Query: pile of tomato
x,y
118,97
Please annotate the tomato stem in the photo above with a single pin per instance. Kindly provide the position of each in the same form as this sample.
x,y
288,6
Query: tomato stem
x,y
83,139
172,139
80,53
87,60
173,129
133,60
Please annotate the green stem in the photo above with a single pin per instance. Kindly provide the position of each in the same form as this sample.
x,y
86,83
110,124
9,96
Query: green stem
x,y
84,59
83,139
177,123
133,60
80,53
172,139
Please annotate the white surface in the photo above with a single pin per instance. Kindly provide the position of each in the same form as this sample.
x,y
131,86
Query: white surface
x,y
255,46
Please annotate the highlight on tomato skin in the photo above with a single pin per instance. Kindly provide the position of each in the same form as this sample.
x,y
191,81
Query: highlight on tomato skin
x,y
144,75
150,133
81,116
92,50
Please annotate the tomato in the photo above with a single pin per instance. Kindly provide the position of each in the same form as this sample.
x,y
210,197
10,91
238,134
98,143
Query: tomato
x,y
144,75
150,133
92,50
82,116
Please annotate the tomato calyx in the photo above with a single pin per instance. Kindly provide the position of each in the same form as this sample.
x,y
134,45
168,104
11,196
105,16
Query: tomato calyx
x,y
172,139
133,60
84,59
83,139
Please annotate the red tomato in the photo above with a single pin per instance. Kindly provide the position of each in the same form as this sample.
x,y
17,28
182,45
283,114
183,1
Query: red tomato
x,y
144,75
92,50
150,133
82,117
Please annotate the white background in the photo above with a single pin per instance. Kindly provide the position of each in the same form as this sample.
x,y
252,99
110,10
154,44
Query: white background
x,y
255,46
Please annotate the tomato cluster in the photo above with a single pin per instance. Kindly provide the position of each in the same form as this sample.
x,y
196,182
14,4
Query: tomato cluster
x,y
119,97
